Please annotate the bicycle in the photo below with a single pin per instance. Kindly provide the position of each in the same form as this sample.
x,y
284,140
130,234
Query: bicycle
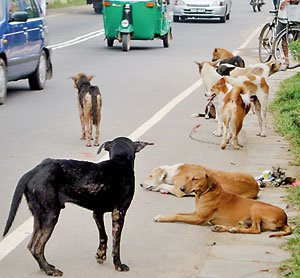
x,y
267,38
282,46
256,5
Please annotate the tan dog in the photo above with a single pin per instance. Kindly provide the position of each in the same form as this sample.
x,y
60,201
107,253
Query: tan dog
x,y
221,54
89,104
228,211
260,69
235,105
167,179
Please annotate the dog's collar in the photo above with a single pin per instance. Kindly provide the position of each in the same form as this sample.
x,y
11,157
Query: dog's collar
x,y
211,97
209,187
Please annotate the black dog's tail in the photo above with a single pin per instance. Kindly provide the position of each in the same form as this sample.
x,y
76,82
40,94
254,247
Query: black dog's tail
x,y
20,189
198,115
94,91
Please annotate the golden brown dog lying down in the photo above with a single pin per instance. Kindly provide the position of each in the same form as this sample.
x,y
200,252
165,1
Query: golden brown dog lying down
x,y
227,211
168,179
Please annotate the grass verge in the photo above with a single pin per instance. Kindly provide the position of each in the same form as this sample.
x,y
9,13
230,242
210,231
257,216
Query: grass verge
x,y
58,4
286,111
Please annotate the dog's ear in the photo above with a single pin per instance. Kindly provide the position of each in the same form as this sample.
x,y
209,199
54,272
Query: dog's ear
x,y
210,180
90,77
105,145
163,174
139,145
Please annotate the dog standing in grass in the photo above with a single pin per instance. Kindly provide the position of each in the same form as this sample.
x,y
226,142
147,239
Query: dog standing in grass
x,y
89,104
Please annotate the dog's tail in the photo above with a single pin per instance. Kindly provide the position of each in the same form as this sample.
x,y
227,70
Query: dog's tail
x,y
94,91
20,189
287,231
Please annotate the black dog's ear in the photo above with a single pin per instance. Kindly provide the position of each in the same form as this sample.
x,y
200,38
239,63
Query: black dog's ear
x,y
139,145
105,145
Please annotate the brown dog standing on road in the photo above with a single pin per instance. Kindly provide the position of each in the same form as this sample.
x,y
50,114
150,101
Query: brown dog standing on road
x,y
89,104
227,211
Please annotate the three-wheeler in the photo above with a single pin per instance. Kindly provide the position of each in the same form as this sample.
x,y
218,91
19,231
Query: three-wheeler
x,y
126,20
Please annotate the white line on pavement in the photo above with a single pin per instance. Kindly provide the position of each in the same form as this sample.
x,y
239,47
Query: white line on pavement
x,y
77,40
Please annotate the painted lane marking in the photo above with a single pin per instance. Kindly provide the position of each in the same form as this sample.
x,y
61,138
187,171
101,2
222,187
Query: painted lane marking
x,y
16,237
77,39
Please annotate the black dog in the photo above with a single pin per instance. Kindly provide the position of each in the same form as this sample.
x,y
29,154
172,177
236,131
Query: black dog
x,y
227,65
107,186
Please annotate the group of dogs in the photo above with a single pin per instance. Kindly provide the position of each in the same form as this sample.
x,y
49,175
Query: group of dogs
x,y
222,199
233,89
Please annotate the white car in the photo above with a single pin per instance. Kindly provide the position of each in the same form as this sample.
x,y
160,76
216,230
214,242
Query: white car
x,y
204,9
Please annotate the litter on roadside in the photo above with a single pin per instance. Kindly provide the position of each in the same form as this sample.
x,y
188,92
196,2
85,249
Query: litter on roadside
x,y
275,177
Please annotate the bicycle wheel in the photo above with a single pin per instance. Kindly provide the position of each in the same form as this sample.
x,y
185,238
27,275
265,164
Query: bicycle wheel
x,y
265,43
282,48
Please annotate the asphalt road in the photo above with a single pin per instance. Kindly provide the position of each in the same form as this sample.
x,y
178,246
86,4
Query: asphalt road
x,y
134,86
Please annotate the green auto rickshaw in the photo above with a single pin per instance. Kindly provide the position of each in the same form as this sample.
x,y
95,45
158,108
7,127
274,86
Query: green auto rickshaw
x,y
126,20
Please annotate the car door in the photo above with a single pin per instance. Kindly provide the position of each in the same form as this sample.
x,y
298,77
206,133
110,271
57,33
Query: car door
x,y
16,42
35,33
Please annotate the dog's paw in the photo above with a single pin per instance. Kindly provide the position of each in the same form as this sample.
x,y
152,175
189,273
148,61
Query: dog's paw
x,y
232,230
52,271
194,115
100,256
217,228
217,133
163,191
121,267
157,218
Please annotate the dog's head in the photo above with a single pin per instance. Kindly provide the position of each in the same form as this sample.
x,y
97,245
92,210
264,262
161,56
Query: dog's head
x,y
156,178
201,65
123,149
81,78
274,66
220,86
193,178
216,55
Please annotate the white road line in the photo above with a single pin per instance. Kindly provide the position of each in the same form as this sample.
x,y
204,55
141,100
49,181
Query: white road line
x,y
11,241
77,39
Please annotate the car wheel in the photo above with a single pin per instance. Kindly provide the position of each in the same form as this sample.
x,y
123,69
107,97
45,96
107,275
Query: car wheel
x,y
223,19
165,40
3,81
37,80
228,16
175,18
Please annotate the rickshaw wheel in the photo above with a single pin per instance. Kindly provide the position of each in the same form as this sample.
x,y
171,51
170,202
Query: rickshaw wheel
x,y
110,42
125,42
165,40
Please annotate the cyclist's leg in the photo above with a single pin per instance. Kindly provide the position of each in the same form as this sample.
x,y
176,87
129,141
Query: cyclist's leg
x,y
279,28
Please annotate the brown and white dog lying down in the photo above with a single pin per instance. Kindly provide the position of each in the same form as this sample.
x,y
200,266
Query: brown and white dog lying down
x,y
224,56
210,77
236,104
89,104
228,212
168,178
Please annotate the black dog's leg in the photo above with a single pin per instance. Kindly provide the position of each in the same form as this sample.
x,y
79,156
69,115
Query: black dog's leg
x,y
101,252
117,226
41,234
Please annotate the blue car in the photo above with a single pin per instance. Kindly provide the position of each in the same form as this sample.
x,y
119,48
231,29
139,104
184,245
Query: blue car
x,y
23,45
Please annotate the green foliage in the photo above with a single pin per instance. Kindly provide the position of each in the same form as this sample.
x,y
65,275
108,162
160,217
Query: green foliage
x,y
286,111
294,48
292,266
60,4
